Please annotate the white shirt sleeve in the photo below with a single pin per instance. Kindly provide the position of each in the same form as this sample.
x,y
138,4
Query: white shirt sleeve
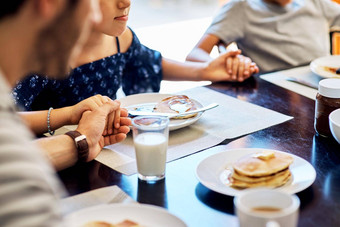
x,y
228,24
331,11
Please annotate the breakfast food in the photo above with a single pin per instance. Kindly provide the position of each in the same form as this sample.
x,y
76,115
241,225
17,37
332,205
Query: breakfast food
x,y
125,223
263,169
176,104
334,70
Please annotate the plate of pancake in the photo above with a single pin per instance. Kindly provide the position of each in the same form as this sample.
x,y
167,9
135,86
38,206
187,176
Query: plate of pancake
x,y
326,67
166,103
123,215
233,170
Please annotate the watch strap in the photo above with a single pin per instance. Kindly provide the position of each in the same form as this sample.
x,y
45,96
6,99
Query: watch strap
x,y
81,145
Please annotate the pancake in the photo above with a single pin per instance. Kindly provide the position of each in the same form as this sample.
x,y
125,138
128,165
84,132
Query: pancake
x,y
98,224
335,70
262,164
125,223
262,169
176,104
273,182
240,177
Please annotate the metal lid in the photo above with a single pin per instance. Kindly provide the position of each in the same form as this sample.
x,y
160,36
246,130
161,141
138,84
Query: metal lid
x,y
330,88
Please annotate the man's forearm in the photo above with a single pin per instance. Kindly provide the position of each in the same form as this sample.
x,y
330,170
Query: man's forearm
x,y
60,150
198,55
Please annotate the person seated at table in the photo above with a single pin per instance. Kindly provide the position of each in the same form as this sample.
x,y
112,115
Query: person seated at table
x,y
58,149
114,57
42,36
276,34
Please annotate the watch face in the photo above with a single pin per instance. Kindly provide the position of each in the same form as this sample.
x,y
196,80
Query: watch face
x,y
79,138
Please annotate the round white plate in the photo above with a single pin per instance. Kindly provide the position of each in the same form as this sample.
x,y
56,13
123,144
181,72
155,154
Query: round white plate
x,y
144,215
213,170
149,100
317,66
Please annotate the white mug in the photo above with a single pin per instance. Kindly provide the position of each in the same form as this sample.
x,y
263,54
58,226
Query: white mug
x,y
267,208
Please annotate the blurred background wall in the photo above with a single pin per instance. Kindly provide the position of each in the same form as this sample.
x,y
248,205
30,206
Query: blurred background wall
x,y
156,12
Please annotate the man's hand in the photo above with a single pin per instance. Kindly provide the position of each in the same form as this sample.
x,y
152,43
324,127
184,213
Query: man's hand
x,y
93,124
90,104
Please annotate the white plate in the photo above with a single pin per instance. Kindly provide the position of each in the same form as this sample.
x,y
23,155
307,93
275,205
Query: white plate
x,y
212,172
331,61
149,100
145,215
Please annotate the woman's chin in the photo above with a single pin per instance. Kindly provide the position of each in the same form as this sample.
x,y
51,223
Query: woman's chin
x,y
118,31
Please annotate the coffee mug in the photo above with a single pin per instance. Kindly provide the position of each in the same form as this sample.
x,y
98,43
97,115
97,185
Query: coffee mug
x,y
267,208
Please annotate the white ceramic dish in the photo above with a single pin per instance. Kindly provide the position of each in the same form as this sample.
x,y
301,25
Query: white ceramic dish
x,y
334,124
145,215
148,100
317,66
212,172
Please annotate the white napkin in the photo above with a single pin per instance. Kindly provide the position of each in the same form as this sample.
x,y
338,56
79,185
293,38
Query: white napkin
x,y
106,195
304,73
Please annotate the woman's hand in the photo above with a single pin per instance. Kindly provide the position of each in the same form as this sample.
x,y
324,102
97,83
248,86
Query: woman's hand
x,y
229,66
90,104
241,68
93,123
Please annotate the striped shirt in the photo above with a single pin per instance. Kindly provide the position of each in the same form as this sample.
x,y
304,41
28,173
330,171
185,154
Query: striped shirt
x,y
29,188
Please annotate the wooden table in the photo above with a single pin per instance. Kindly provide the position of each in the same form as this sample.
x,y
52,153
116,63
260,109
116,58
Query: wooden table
x,y
183,195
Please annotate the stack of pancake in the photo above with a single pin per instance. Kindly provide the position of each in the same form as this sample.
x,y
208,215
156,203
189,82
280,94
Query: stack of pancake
x,y
176,104
125,223
334,70
264,169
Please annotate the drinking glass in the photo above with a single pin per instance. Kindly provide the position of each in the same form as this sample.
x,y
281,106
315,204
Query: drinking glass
x,y
150,138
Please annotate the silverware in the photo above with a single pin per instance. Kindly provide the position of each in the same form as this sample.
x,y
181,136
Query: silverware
x,y
302,82
171,115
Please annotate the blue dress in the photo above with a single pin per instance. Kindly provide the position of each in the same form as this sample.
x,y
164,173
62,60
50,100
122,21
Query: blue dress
x,y
138,70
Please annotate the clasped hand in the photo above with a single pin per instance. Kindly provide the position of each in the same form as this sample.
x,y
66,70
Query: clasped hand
x,y
102,121
230,66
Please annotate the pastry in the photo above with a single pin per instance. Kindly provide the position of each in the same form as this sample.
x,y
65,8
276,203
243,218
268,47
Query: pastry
x,y
335,70
125,223
262,169
176,104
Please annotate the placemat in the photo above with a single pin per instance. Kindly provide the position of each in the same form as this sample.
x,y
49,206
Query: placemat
x,y
231,119
303,73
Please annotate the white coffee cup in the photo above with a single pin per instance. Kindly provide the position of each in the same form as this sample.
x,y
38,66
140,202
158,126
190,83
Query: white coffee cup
x,y
267,208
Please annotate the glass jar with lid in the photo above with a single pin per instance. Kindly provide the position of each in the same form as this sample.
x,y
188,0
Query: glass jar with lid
x,y
327,100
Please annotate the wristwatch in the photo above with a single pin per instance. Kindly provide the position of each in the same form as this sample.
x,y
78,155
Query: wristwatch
x,y
81,144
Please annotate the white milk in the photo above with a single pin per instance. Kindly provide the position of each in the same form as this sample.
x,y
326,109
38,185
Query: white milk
x,y
151,153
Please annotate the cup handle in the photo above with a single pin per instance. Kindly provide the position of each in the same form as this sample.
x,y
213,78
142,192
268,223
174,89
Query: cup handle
x,y
272,223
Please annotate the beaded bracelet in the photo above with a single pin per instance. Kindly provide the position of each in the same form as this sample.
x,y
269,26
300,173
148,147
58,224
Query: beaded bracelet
x,y
48,122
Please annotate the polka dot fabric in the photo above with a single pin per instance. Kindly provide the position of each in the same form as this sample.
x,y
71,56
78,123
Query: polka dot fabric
x,y
138,70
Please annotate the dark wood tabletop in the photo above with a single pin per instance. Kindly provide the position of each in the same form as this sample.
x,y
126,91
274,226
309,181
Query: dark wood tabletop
x,y
183,195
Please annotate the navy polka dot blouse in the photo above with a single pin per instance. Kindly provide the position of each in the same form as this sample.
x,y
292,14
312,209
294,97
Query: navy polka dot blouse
x,y
139,70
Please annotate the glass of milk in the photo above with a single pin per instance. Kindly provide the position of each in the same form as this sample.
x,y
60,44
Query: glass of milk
x,y
150,138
